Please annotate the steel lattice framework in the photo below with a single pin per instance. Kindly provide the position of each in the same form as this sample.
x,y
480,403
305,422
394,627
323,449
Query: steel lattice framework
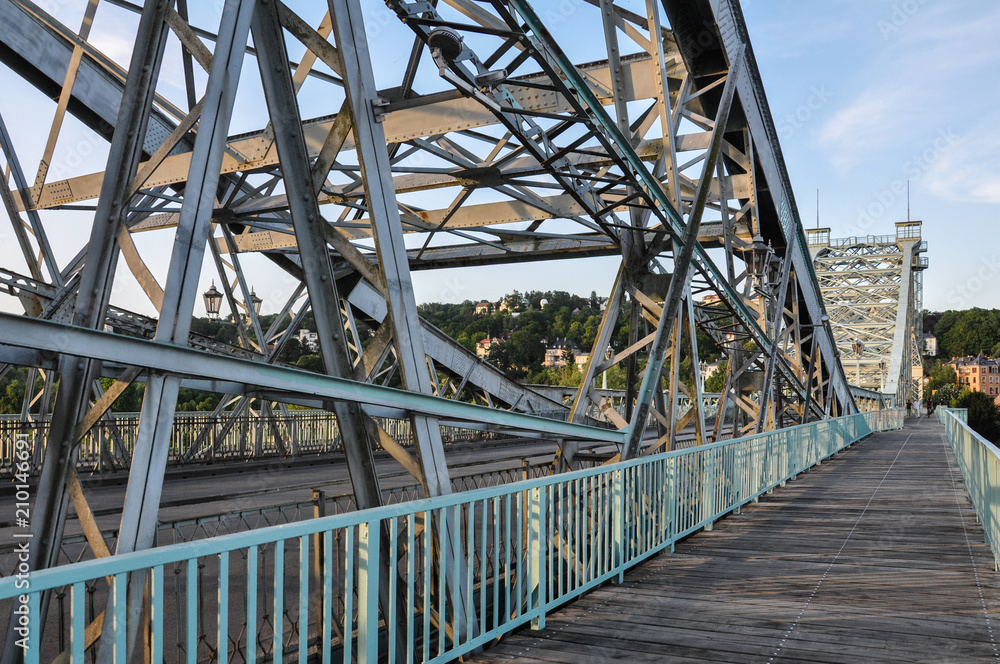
x,y
873,288
485,143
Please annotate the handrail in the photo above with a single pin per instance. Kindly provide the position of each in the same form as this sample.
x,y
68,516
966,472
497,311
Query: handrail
x,y
516,552
108,445
979,461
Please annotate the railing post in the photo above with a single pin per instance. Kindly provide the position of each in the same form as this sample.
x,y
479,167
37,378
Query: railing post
x,y
618,495
319,558
537,555
738,477
369,537
786,456
708,489
770,464
672,501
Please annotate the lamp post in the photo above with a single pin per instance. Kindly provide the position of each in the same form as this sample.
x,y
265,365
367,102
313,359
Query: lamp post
x,y
858,347
773,272
255,301
757,257
881,368
608,354
213,300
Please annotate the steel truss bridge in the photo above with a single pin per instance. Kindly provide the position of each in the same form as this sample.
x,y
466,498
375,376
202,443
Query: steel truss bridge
x,y
491,135
873,288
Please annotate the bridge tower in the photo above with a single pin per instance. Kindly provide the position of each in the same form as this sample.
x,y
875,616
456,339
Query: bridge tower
x,y
873,289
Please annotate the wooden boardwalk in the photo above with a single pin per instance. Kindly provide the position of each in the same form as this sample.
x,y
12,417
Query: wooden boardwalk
x,y
875,556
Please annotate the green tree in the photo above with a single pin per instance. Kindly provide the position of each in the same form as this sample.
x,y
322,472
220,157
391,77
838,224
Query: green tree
x,y
311,363
196,400
717,381
464,340
569,357
292,351
944,395
13,395
941,375
984,416
968,332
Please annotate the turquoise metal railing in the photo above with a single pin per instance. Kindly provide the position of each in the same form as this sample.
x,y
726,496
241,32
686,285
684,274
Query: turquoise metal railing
x,y
979,461
511,554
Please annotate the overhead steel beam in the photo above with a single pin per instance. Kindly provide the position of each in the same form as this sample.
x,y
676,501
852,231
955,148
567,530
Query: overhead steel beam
x,y
36,46
403,122
39,336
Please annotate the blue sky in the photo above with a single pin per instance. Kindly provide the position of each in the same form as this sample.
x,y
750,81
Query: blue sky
x,y
866,95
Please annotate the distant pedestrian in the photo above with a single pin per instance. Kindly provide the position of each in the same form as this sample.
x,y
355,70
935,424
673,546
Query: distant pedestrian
x,y
909,408
930,407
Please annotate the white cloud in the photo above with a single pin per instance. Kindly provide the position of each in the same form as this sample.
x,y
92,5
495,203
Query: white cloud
x,y
908,87
862,126
968,170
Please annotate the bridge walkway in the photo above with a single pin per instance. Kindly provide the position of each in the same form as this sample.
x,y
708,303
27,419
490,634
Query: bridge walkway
x,y
874,556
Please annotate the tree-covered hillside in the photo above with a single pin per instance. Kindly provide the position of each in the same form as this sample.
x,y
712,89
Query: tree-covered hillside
x,y
524,324
967,332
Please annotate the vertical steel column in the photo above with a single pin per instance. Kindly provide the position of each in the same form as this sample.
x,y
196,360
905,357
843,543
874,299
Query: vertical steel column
x,y
49,510
380,195
145,480
355,426
142,497
279,91
698,405
683,252
767,399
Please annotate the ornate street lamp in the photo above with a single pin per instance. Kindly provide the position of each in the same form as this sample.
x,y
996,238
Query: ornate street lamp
x,y
858,347
255,301
757,257
773,272
881,368
213,300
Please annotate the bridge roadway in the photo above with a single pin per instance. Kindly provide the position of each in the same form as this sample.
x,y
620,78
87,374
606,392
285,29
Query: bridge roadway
x,y
874,556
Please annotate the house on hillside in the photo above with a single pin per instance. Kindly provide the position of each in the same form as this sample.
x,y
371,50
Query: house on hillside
x,y
484,308
308,340
556,352
705,371
979,374
483,346
930,344
512,302
710,299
